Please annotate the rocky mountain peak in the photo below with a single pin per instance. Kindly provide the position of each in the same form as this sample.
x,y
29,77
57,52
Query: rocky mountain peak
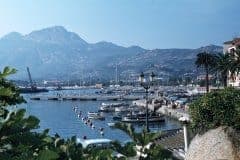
x,y
56,52
55,34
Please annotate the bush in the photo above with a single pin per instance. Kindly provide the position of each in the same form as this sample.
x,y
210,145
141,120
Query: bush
x,y
128,149
220,108
158,152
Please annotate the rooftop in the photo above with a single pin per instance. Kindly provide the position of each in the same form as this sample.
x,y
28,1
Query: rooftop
x,y
235,41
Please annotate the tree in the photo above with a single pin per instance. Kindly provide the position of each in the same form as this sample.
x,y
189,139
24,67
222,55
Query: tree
x,y
158,152
219,108
144,139
98,154
207,61
223,66
17,138
235,62
127,150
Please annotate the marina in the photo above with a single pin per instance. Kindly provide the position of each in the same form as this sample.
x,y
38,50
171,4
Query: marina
x,y
82,118
108,106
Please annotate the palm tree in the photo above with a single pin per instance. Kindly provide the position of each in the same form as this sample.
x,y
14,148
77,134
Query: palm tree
x,y
235,62
207,61
144,139
223,66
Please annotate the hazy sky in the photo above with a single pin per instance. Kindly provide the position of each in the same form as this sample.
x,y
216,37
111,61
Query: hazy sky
x,y
148,23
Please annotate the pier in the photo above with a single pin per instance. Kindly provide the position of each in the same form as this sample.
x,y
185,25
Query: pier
x,y
87,97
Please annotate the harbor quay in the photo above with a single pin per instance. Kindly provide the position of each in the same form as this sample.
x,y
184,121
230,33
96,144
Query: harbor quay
x,y
88,97
173,113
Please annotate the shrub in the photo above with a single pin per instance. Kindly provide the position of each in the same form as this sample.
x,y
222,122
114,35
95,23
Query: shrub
x,y
220,108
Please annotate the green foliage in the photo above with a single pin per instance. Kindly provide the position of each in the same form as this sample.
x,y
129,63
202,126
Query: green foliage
x,y
98,154
18,141
235,62
158,152
128,149
207,61
7,71
47,154
220,108
22,143
143,139
223,66
9,93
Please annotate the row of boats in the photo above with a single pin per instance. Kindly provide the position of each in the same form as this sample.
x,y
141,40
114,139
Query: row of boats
x,y
125,113
87,120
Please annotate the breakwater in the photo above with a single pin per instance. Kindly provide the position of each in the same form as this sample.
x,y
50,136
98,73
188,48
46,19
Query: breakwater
x,y
87,97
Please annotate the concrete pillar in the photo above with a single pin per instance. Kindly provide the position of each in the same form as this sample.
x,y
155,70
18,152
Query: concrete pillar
x,y
185,121
185,138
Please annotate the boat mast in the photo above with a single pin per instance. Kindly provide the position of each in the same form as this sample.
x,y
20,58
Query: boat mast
x,y
116,75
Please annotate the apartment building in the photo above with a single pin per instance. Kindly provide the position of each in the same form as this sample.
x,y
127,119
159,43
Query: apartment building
x,y
230,47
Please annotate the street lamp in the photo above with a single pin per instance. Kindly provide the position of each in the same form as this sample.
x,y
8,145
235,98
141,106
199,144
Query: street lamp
x,y
146,84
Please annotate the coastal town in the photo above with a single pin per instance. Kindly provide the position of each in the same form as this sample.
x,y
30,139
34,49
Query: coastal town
x,y
119,80
146,102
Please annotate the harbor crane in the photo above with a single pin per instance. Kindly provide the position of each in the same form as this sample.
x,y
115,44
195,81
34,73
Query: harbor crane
x,y
32,85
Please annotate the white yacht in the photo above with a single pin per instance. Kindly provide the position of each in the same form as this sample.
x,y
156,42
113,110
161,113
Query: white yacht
x,y
110,107
141,117
95,115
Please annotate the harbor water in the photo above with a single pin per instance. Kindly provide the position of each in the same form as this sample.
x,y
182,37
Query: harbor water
x,y
59,117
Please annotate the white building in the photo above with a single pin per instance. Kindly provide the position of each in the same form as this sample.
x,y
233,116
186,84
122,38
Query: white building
x,y
229,47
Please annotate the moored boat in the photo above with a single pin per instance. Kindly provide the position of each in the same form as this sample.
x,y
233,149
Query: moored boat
x,y
117,117
110,107
32,90
140,118
121,109
95,115
111,124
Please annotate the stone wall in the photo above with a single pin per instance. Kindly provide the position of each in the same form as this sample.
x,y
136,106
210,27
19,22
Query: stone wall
x,y
216,144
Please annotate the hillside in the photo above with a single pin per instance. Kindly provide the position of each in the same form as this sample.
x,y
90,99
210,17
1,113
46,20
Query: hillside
x,y
165,62
55,53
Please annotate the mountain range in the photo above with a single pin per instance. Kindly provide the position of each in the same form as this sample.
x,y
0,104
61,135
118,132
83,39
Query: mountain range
x,y
55,53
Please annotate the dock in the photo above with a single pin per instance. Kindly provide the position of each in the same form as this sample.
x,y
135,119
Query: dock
x,y
87,97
